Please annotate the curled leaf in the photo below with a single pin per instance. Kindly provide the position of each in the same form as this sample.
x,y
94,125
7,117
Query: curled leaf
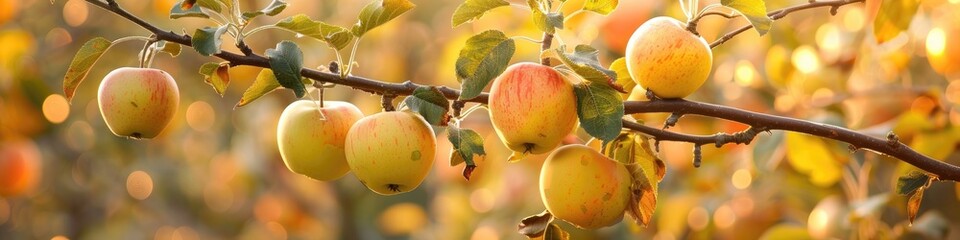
x,y
534,226
88,55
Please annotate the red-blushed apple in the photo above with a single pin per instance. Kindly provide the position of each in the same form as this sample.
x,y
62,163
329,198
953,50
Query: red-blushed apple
x,y
532,108
19,167
585,188
311,139
138,102
664,57
391,152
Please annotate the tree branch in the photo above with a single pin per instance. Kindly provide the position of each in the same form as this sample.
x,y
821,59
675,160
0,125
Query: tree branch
x,y
760,122
778,14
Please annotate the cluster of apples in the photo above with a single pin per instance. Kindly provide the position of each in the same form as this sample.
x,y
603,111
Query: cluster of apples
x,y
390,152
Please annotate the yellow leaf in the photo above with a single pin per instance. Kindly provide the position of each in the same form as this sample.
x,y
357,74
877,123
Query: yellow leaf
x,y
811,156
913,205
894,17
635,151
265,83
935,144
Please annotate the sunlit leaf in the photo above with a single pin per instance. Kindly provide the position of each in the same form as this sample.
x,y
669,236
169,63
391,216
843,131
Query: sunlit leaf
x,y
337,37
619,67
534,226
894,17
192,10
466,143
786,231
909,183
274,8
546,21
286,60
216,75
171,48
754,10
646,170
210,4
207,40
600,110
265,83
484,57
430,103
913,205
811,156
585,62
378,12
88,55
471,10
933,143
601,6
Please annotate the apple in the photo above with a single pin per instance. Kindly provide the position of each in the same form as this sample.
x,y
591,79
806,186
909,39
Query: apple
x,y
19,168
312,144
585,188
391,152
138,102
664,57
532,108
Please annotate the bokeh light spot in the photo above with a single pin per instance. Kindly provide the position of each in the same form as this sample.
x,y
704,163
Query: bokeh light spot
x,y
854,19
724,217
200,116
75,12
745,73
936,42
698,218
402,219
741,179
55,108
139,185
485,233
482,200
805,59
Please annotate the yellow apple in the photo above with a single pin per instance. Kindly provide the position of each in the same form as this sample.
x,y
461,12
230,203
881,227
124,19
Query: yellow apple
x,y
138,102
391,152
532,108
312,144
19,167
585,188
667,59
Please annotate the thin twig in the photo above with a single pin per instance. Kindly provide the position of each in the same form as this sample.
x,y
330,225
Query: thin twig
x,y
778,14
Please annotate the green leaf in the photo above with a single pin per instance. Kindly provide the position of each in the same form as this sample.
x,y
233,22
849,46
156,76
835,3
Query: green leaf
x,y
484,57
431,104
378,12
909,183
619,67
471,10
88,55
601,6
209,4
217,75
169,47
754,10
207,40
265,83
554,232
466,142
586,63
192,10
545,20
600,109
894,17
534,226
286,61
274,8
337,37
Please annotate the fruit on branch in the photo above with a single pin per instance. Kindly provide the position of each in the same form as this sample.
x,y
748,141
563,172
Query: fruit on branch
x,y
666,58
585,188
138,102
532,108
19,167
391,152
311,138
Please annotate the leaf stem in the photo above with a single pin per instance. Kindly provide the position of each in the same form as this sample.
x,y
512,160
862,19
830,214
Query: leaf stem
x,y
353,54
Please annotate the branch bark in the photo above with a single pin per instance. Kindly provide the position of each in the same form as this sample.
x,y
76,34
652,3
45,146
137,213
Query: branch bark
x,y
759,121
778,14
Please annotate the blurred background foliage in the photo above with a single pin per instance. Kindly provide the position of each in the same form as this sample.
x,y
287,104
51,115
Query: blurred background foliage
x,y
215,171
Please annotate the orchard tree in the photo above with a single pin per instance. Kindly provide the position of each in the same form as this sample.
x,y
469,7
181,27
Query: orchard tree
x,y
533,104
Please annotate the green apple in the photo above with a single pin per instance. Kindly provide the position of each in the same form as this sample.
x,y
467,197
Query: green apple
x,y
664,57
391,152
138,102
585,188
532,108
311,138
